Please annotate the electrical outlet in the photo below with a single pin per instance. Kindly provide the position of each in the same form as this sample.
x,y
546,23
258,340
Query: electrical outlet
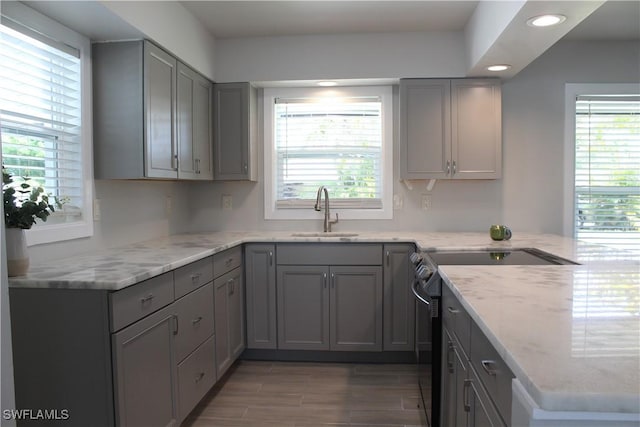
x,y
426,202
96,210
227,202
398,201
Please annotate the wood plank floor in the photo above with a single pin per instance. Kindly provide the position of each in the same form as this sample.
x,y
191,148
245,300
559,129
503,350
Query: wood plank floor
x,y
300,394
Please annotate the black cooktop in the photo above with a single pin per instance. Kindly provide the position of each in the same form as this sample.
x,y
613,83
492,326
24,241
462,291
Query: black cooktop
x,y
492,257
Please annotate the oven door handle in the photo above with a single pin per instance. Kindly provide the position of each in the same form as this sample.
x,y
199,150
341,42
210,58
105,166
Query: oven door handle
x,y
417,294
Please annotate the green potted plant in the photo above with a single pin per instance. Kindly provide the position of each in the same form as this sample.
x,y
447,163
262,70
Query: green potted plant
x,y
24,201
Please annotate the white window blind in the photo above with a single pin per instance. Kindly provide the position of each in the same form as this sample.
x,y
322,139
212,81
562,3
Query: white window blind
x,y
40,116
607,171
335,142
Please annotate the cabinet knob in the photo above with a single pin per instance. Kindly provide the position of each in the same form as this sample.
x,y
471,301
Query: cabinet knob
x,y
197,320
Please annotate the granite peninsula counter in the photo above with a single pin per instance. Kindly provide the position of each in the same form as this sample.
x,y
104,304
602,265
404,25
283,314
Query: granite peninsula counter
x,y
570,334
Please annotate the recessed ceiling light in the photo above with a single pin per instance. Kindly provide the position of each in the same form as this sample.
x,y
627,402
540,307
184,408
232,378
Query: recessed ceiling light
x,y
546,20
327,83
498,67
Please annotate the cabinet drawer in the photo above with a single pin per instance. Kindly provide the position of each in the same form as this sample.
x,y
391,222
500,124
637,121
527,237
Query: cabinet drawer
x,y
139,300
492,371
455,318
226,261
329,254
196,376
192,276
195,320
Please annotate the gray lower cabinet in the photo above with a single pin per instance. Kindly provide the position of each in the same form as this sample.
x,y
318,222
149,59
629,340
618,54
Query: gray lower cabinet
x,y
398,300
355,308
303,307
260,286
476,383
229,319
330,308
228,299
145,371
140,356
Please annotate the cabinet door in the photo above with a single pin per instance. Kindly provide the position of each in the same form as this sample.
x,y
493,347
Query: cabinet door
x,y
398,300
160,113
260,286
194,94
425,128
185,122
195,320
356,308
233,125
236,313
221,323
454,374
303,307
203,127
482,412
476,129
145,371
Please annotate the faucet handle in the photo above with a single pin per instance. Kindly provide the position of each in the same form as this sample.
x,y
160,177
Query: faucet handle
x,y
333,221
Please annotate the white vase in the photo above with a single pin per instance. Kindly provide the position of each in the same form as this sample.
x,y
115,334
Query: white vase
x,y
17,254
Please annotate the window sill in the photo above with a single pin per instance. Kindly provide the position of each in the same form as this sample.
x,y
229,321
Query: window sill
x,y
51,233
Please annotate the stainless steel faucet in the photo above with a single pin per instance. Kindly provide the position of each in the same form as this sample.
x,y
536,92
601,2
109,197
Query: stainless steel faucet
x,y
327,216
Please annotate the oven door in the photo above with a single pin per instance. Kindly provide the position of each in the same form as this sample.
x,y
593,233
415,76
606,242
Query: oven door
x,y
428,336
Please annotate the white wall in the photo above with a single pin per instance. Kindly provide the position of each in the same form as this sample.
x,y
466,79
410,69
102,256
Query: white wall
x,y
533,125
173,27
340,56
529,197
131,211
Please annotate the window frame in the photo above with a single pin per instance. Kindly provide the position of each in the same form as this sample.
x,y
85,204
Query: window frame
x,y
44,232
271,211
572,91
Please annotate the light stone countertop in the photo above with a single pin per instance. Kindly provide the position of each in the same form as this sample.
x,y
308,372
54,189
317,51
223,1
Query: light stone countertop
x,y
570,334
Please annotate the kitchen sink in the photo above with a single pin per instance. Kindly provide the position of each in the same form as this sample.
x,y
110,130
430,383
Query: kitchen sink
x,y
324,234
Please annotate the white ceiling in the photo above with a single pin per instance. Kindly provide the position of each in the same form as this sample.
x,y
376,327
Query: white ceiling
x,y
615,20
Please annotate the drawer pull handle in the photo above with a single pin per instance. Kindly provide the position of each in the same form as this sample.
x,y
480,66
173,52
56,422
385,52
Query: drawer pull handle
x,y
175,325
324,280
270,258
195,278
489,367
148,298
228,262
196,320
199,377
450,365
453,310
465,395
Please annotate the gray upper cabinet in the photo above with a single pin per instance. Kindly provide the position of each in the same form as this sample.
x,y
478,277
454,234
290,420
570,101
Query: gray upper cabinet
x,y
235,128
398,300
260,285
152,114
195,118
450,129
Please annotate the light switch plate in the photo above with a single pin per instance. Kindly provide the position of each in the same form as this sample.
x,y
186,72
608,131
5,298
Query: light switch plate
x,y
426,202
